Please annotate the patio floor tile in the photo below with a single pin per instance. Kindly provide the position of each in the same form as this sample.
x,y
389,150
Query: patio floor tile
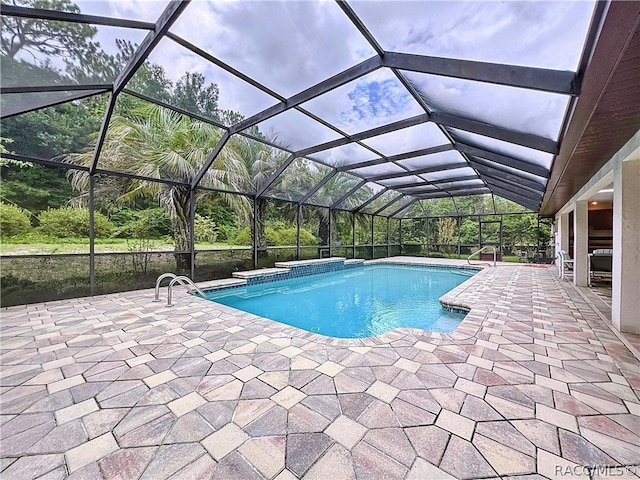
x,y
463,460
248,410
336,463
266,454
330,368
90,451
191,427
392,442
371,463
186,404
383,391
119,387
303,449
126,462
422,469
556,417
169,459
288,397
457,424
504,460
346,431
429,442
224,441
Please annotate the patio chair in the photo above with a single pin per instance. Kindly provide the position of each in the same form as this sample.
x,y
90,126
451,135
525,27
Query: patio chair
x,y
566,263
600,263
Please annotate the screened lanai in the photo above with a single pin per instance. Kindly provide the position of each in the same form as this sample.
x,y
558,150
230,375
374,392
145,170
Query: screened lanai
x,y
379,128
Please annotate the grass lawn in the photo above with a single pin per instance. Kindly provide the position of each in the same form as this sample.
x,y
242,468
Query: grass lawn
x,y
109,245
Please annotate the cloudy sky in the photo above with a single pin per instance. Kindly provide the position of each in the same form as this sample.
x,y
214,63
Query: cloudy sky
x,y
290,45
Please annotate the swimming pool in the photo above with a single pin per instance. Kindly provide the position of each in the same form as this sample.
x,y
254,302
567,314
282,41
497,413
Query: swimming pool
x,y
356,302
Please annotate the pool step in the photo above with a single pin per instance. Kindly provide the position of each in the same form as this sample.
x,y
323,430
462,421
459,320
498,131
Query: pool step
x,y
223,283
262,272
298,268
354,261
313,261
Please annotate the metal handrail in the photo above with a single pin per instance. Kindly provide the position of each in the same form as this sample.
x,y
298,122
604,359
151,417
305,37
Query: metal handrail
x,y
481,250
156,297
184,281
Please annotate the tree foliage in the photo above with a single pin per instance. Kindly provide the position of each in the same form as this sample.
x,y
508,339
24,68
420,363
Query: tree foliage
x,y
157,143
447,231
37,37
150,141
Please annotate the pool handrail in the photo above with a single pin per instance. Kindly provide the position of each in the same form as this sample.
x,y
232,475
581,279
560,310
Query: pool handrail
x,y
185,282
156,297
481,250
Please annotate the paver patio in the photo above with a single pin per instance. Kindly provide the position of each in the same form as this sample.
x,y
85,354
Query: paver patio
x,y
533,384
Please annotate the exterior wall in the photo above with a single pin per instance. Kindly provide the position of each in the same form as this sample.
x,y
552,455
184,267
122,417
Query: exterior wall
x,y
623,169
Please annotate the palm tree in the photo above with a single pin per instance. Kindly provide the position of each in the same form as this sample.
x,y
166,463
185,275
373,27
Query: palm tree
x,y
259,161
335,188
154,142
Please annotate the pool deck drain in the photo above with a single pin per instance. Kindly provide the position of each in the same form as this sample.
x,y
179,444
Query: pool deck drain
x,y
533,384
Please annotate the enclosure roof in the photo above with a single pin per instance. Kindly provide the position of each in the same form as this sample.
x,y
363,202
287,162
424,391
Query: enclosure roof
x,y
406,101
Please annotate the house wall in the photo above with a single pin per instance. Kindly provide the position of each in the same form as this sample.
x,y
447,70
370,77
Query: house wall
x,y
589,229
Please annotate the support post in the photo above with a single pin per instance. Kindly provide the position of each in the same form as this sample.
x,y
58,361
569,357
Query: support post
x,y
353,233
388,238
192,232
459,225
581,243
92,234
298,215
373,242
330,231
562,237
255,233
626,255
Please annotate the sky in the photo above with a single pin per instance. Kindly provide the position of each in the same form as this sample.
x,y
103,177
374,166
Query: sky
x,y
289,46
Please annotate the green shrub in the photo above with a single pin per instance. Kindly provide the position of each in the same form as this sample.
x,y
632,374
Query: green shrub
x,y
13,220
437,255
227,233
412,247
148,223
205,229
273,237
288,236
243,237
121,217
73,222
284,237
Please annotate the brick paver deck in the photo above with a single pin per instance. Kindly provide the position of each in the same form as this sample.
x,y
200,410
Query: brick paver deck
x,y
533,384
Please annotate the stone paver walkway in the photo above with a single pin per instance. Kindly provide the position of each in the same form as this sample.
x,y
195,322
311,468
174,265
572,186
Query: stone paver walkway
x,y
531,385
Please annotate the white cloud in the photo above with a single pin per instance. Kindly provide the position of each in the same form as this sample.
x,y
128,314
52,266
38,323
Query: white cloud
x,y
296,130
345,155
420,136
144,10
286,45
235,94
524,110
536,33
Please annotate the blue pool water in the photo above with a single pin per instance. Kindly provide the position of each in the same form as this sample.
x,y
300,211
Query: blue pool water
x,y
354,303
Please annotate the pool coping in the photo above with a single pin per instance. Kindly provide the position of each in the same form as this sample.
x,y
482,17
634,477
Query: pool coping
x,y
454,299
